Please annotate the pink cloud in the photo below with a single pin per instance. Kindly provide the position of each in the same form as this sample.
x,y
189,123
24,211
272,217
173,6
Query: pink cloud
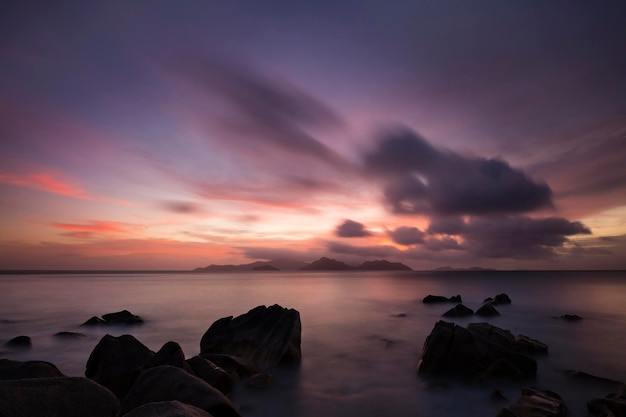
x,y
48,182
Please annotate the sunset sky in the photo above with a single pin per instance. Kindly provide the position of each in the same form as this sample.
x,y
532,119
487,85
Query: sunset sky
x,y
176,134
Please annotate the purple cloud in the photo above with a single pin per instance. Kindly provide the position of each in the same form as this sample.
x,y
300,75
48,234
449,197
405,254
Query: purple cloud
x,y
407,235
350,228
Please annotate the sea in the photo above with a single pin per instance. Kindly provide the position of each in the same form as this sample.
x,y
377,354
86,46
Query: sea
x,y
362,332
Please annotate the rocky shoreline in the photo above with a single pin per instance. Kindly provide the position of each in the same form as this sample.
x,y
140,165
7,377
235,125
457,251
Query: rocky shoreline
x,y
124,378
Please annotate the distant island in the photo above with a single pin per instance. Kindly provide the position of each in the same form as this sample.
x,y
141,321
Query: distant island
x,y
322,264
473,268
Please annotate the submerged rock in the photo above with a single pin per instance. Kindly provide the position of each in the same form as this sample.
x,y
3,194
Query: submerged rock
x,y
167,383
459,311
116,362
30,369
487,310
58,396
570,317
434,299
536,403
265,335
480,350
23,342
167,409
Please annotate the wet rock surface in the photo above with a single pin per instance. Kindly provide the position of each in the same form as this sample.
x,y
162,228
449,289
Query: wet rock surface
x,y
536,403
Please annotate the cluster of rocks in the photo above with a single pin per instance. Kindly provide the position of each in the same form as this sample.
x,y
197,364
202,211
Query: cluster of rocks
x,y
460,310
123,377
123,317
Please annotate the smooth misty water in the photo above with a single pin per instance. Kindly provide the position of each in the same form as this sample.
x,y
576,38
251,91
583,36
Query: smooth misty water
x,y
359,357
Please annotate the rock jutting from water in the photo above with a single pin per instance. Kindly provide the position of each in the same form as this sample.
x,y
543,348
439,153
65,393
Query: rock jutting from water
x,y
478,351
123,317
21,342
435,299
536,403
459,311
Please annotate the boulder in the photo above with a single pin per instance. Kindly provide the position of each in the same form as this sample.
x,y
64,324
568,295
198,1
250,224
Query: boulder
x,y
613,405
480,350
265,335
94,321
501,299
69,335
459,311
30,369
116,362
238,368
570,317
211,373
171,354
19,342
536,403
59,396
434,299
521,344
122,317
168,383
167,409
487,310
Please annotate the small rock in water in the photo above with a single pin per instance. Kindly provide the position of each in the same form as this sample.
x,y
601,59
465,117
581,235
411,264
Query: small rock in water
x,y
501,299
487,310
536,403
122,317
459,311
94,321
433,299
69,335
570,317
19,342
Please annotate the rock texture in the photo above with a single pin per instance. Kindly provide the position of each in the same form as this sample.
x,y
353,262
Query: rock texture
x,y
434,299
459,311
536,403
52,397
168,383
167,409
116,362
265,335
30,369
480,350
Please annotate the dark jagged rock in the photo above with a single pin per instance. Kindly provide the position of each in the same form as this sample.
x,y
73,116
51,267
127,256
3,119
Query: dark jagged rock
x,y
69,335
501,299
116,362
94,321
236,367
211,373
536,403
170,354
59,396
459,311
521,344
487,310
167,409
434,299
167,383
122,317
30,369
570,317
474,351
22,342
613,405
265,335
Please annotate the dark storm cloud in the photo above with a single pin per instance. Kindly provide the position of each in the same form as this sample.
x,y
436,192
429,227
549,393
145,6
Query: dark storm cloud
x,y
519,237
258,107
446,226
407,235
422,179
440,244
350,228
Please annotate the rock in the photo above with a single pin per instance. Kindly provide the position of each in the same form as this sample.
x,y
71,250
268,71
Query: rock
x,y
525,344
487,310
261,380
212,374
459,311
167,383
94,321
584,376
167,409
171,354
521,344
30,369
19,342
59,396
265,335
122,317
501,299
434,299
498,396
477,351
536,403
613,405
69,335
238,368
570,317
116,362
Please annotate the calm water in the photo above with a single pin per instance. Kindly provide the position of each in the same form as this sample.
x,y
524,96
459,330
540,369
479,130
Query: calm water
x,y
359,357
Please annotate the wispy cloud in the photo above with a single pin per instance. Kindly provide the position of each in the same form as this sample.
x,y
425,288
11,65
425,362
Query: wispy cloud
x,y
48,182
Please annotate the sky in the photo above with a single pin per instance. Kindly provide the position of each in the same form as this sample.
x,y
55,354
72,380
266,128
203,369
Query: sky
x,y
173,135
